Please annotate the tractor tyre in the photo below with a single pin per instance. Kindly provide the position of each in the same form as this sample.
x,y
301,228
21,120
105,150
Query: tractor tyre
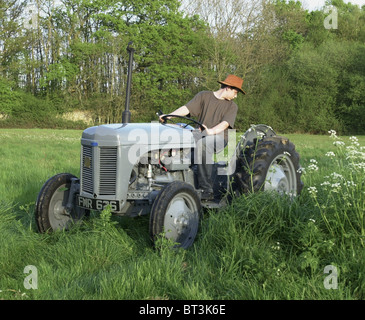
x,y
270,164
175,214
51,203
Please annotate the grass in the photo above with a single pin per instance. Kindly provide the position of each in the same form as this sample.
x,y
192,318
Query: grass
x,y
260,247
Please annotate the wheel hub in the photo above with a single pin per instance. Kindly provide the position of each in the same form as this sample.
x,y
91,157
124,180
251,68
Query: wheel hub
x,y
276,180
178,216
59,210
179,219
58,214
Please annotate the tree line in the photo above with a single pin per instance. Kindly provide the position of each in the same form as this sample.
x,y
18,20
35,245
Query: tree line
x,y
59,56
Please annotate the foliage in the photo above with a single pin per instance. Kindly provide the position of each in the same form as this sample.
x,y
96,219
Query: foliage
x,y
9,98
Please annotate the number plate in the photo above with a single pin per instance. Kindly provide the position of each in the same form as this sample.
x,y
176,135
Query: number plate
x,y
97,204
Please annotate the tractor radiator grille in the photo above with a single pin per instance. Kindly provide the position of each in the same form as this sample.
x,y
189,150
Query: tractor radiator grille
x,y
108,171
87,170
107,174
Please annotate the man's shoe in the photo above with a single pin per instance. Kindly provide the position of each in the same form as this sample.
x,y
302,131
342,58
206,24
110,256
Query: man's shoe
x,y
207,195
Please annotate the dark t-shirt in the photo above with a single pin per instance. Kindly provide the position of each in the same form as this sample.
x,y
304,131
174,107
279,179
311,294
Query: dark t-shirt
x,y
211,111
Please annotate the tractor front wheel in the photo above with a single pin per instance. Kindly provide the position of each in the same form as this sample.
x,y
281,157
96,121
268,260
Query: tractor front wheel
x,y
175,214
51,212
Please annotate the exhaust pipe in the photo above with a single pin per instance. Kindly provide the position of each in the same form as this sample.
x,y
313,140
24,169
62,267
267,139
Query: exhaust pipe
x,y
126,116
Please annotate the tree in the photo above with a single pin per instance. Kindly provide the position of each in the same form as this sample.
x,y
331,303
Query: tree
x,y
11,44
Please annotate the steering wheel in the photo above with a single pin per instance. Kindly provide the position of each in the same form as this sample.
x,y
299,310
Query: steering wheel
x,y
165,119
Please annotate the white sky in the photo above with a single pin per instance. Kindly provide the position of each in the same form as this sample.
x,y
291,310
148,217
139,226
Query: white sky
x,y
318,4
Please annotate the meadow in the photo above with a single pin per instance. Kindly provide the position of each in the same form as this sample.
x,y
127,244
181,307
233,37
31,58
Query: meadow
x,y
260,247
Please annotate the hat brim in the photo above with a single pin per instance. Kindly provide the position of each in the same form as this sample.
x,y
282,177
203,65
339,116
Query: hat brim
x,y
228,84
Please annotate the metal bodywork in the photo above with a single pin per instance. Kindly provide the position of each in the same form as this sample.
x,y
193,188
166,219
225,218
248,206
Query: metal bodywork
x,y
111,153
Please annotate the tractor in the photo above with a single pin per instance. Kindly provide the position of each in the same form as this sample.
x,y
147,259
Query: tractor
x,y
137,169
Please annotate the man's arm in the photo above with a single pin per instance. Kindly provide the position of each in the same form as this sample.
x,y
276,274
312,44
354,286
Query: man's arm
x,y
182,111
217,129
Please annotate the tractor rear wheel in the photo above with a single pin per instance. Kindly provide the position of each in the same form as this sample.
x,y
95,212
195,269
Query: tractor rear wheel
x,y
270,164
175,214
50,210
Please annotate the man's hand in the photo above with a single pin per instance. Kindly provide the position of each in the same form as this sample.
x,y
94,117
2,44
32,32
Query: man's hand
x,y
160,118
209,132
217,129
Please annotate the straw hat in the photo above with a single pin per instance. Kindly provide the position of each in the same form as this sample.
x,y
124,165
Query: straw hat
x,y
233,81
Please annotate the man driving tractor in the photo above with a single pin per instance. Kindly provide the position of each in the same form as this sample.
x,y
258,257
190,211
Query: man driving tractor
x,y
217,112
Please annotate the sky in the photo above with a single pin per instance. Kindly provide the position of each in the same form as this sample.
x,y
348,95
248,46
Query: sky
x,y
318,4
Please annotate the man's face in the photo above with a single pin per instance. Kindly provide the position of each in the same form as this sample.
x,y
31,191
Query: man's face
x,y
231,93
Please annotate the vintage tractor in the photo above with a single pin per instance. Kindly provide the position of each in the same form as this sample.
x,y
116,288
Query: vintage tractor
x,y
147,168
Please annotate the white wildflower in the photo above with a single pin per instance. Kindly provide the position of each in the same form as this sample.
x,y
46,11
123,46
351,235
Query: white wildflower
x,y
358,166
325,184
339,143
301,170
350,183
287,153
336,176
312,191
312,168
333,134
353,153
330,154
260,134
277,247
313,165
336,187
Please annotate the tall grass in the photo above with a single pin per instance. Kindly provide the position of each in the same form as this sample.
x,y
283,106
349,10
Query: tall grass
x,y
261,246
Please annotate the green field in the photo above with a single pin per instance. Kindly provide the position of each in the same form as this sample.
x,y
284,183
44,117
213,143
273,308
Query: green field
x,y
259,247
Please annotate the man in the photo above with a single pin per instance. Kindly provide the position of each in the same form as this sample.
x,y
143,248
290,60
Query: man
x,y
217,112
